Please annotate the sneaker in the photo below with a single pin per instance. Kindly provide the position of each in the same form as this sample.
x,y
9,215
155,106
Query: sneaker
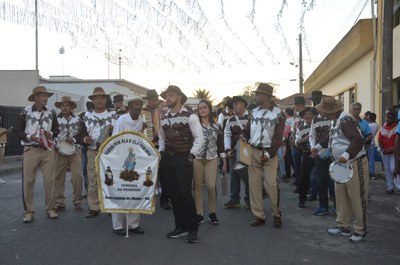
x,y
321,211
339,231
357,237
212,218
232,205
390,192
200,219
177,232
192,237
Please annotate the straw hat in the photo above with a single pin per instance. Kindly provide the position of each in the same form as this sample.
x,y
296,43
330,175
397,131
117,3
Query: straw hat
x,y
38,90
65,99
99,91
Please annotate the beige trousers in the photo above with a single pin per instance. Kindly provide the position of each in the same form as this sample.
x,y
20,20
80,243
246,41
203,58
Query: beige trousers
x,y
263,174
92,194
2,151
75,166
33,158
205,172
352,198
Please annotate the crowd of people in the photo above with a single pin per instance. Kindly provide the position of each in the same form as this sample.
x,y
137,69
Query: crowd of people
x,y
196,146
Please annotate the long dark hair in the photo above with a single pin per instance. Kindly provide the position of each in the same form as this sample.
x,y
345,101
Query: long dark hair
x,y
210,114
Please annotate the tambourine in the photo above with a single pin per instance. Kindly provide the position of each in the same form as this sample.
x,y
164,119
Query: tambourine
x,y
341,173
65,148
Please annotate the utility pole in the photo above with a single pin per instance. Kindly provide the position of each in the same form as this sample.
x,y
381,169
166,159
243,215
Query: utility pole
x,y
387,56
119,62
300,64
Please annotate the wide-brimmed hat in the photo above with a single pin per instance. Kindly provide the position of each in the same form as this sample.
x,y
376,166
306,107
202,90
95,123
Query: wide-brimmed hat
x,y
300,100
307,109
38,90
329,105
118,98
65,99
264,88
236,98
151,94
98,91
135,98
176,90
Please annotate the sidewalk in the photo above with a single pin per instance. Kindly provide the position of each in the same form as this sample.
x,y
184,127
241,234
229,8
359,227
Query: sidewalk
x,y
10,164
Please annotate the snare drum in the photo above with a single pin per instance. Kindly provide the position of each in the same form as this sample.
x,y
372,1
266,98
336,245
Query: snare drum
x,y
65,148
341,173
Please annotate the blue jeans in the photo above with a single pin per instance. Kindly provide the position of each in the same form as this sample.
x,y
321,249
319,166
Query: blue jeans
x,y
236,176
84,166
296,156
314,183
281,160
371,160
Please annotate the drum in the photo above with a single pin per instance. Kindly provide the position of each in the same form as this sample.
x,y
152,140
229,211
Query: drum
x,y
341,173
243,154
65,148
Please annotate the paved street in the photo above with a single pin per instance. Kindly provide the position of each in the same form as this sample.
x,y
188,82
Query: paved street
x,y
302,240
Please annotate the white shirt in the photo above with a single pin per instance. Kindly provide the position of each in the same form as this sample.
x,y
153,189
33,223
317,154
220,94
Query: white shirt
x,y
126,123
96,122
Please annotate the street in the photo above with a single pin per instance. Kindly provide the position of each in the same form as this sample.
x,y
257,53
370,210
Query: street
x,y
303,239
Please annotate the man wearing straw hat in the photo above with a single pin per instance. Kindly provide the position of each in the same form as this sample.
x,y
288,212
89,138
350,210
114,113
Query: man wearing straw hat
x,y
35,127
94,129
68,123
264,132
346,145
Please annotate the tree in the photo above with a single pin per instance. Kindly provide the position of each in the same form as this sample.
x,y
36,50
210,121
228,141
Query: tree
x,y
202,94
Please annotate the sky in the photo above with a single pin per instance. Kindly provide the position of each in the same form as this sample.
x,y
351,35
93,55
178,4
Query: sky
x,y
221,46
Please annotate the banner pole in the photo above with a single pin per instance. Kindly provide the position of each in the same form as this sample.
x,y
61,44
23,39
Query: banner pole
x,y
127,225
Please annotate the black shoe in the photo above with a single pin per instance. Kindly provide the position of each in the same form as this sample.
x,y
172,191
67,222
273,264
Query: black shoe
x,y
177,232
301,204
166,206
212,218
120,232
192,237
312,198
138,230
200,219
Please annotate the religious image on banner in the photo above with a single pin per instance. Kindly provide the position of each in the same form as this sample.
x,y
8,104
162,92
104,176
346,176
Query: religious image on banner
x,y
127,168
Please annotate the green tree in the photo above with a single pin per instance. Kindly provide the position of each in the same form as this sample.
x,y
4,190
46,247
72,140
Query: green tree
x,y
202,94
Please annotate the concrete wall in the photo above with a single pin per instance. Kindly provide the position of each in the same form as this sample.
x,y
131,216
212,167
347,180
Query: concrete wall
x,y
356,76
16,86
396,52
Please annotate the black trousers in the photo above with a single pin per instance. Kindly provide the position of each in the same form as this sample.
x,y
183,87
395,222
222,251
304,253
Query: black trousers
x,y
307,165
322,166
288,161
178,177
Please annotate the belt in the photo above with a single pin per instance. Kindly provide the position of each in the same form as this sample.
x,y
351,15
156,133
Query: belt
x,y
33,145
176,153
258,147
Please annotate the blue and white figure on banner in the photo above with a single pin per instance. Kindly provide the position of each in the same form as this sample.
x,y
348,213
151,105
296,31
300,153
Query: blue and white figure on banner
x,y
130,161
132,191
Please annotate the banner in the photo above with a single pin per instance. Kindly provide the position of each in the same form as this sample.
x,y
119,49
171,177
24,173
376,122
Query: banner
x,y
127,167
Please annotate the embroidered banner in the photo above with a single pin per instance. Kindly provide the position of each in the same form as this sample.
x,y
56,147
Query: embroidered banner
x,y
127,167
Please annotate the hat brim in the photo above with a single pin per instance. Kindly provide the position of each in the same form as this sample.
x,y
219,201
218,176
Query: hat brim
x,y
183,96
149,98
73,104
321,109
31,98
230,103
104,95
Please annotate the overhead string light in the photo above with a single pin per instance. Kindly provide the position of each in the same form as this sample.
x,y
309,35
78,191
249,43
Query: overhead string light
x,y
256,31
279,29
305,7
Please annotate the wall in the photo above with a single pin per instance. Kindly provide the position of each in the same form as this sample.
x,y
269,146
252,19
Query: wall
x,y
16,86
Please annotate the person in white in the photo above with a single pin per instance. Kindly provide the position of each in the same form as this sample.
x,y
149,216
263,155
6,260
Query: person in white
x,y
128,122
